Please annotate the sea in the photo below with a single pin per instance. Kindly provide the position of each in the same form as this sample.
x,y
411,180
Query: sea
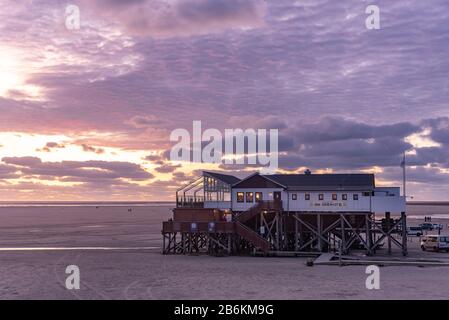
x,y
86,203
415,210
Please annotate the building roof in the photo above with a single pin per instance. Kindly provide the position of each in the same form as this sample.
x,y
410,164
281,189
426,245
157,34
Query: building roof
x,y
226,178
324,181
256,180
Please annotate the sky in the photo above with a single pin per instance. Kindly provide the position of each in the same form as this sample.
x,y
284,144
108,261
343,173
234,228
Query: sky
x,y
86,113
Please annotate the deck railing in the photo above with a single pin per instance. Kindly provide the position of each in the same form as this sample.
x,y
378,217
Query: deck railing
x,y
190,202
198,227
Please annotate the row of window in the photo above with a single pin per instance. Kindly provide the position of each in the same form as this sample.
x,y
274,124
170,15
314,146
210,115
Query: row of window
x,y
257,196
344,196
250,196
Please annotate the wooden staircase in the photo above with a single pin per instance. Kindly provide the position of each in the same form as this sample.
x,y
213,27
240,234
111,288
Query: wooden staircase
x,y
249,235
257,208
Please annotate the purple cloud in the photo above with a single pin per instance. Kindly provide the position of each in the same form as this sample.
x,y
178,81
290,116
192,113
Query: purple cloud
x,y
161,19
79,170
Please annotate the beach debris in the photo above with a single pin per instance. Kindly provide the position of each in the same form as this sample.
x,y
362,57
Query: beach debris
x,y
309,262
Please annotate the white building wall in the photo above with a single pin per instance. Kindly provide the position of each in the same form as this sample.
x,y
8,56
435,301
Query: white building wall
x,y
377,203
314,204
388,204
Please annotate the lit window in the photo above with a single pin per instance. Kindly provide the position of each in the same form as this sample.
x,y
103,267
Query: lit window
x,y
307,196
334,197
249,197
259,196
321,197
344,197
240,196
294,196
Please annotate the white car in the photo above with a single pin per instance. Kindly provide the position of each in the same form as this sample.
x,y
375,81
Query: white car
x,y
435,243
414,231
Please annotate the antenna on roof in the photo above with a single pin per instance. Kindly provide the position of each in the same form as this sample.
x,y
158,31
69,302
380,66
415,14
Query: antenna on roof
x,y
307,172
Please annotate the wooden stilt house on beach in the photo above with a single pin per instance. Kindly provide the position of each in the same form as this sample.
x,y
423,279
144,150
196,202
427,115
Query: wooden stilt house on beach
x,y
285,213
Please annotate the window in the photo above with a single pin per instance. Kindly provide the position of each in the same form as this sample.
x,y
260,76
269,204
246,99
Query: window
x,y
307,197
366,194
355,197
249,197
321,196
294,196
277,196
259,196
334,196
344,197
240,197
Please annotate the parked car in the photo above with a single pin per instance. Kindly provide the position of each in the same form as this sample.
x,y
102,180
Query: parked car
x,y
426,226
414,231
435,243
437,226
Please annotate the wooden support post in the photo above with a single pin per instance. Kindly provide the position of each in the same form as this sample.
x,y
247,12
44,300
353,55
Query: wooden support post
x,y
284,231
318,227
189,243
343,240
387,223
404,233
183,243
277,230
369,250
296,232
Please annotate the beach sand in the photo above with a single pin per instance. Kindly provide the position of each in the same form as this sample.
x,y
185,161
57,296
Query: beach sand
x,y
139,271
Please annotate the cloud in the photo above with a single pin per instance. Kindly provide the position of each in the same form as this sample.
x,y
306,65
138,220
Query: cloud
x,y
22,161
167,168
8,172
144,121
51,145
339,128
156,159
343,97
79,171
162,19
87,148
153,157
419,177
439,129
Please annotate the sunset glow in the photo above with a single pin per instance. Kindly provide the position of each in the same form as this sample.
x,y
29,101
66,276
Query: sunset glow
x,y
87,113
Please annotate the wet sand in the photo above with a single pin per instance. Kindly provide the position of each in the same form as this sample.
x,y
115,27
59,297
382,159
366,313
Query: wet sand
x,y
119,258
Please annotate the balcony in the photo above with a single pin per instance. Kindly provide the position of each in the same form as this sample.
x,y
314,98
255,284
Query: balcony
x,y
190,202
